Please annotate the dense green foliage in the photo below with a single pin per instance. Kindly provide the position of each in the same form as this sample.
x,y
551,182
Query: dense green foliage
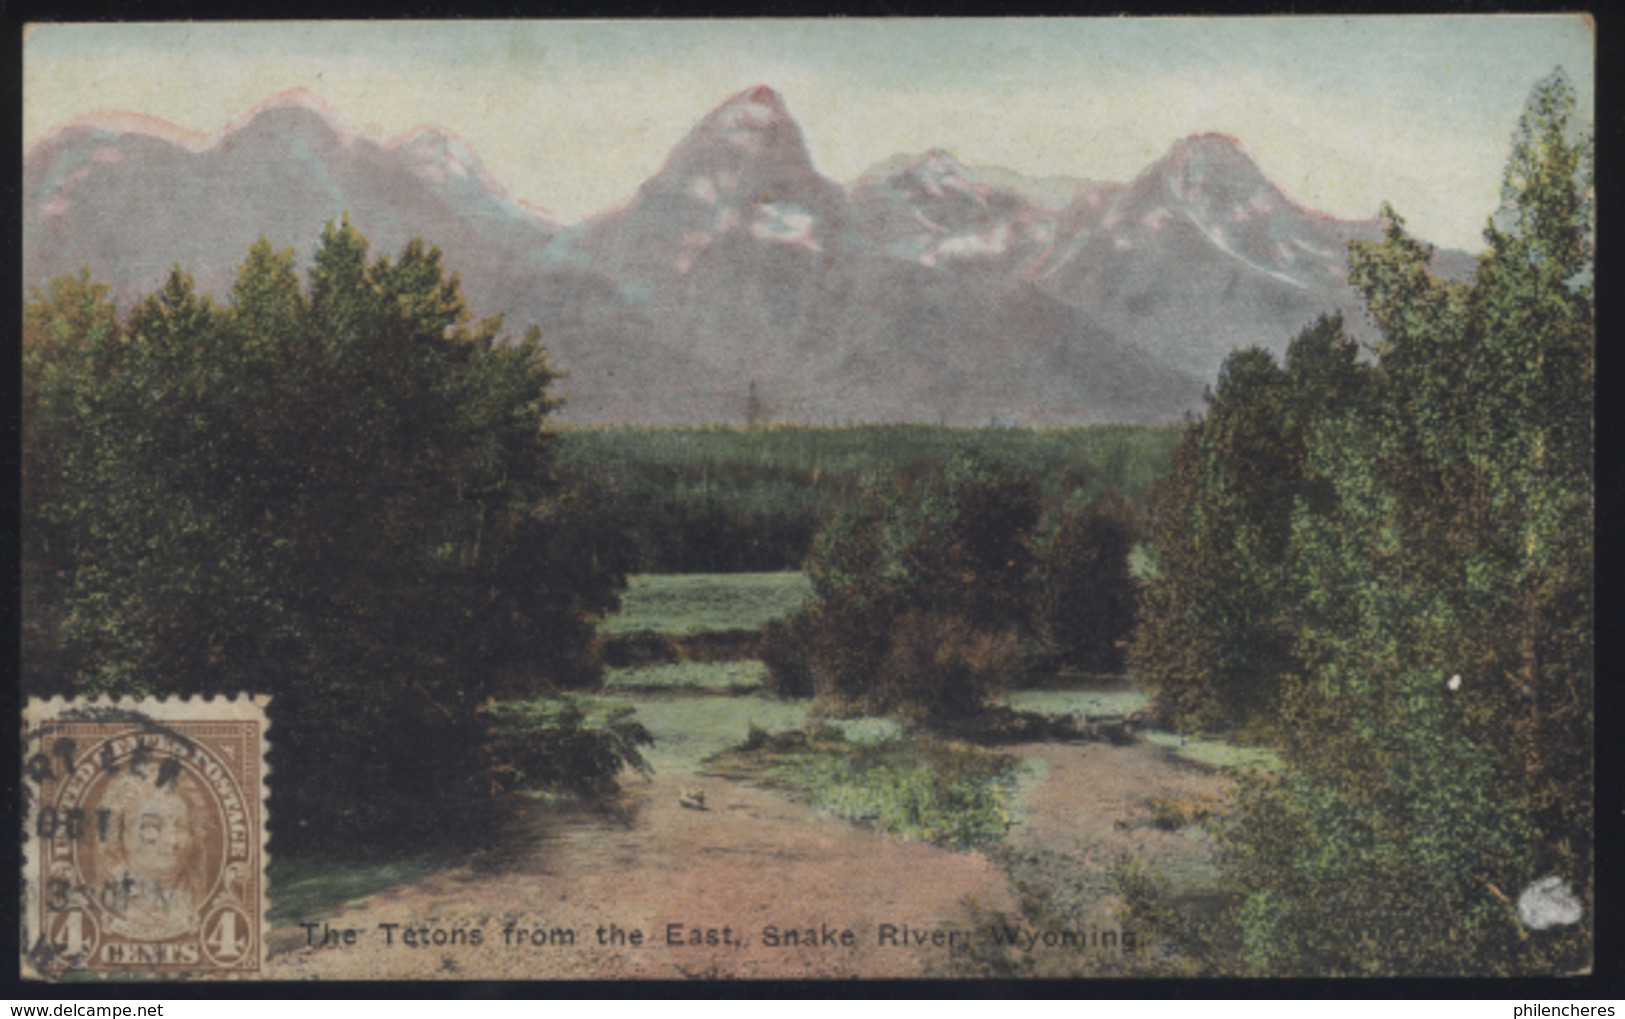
x,y
920,587
730,499
1217,633
919,787
940,586
56,329
1082,592
345,497
1386,565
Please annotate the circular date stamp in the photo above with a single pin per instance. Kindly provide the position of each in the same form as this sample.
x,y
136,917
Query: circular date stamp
x,y
145,837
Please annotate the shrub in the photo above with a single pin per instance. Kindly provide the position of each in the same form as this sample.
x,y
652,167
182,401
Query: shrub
x,y
559,745
1170,814
936,666
923,596
784,651
916,786
1085,591
939,587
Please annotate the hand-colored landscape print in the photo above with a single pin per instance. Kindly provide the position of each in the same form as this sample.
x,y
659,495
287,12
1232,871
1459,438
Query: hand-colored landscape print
x,y
839,499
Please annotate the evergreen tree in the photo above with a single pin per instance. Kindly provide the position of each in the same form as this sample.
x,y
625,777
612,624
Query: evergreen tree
x,y
346,499
1215,641
57,327
1086,592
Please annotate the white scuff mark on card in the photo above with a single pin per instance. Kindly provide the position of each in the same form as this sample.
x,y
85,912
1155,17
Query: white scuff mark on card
x,y
1548,902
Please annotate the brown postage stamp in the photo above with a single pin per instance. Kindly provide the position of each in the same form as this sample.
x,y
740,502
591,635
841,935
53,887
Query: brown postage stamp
x,y
146,836
1017,498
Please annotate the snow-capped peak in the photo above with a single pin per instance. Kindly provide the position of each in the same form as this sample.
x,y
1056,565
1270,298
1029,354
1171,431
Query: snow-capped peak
x,y
441,150
299,99
1210,165
939,171
440,155
748,146
1214,176
748,119
760,96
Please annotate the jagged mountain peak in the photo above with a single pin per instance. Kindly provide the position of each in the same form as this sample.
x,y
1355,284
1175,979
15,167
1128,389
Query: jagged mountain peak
x,y
1210,167
294,110
298,99
437,146
928,289
313,122
1214,175
751,120
441,156
1210,144
932,177
753,127
758,95
1053,192
938,161
938,170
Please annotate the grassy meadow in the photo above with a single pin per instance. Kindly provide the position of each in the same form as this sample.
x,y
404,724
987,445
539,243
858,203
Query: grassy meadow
x,y
689,604
730,677
711,716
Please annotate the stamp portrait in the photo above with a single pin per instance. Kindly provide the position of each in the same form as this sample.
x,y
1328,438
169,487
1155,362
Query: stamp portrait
x,y
146,847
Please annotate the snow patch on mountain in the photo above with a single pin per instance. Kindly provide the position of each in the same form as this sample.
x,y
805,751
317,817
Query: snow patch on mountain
x,y
1220,241
703,188
986,245
787,223
742,124
930,224
938,173
441,156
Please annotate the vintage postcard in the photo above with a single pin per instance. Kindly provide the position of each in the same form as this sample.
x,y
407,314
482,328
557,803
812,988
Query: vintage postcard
x,y
808,499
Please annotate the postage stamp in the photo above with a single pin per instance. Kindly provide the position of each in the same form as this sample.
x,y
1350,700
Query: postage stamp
x,y
809,498
146,836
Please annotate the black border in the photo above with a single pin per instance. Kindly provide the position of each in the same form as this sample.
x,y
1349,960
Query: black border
x,y
1604,982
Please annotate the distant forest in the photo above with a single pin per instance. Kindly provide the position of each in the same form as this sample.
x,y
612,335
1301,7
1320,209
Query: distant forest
x,y
724,499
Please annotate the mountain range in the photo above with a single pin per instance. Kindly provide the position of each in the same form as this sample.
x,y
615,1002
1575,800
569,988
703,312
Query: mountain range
x,y
738,280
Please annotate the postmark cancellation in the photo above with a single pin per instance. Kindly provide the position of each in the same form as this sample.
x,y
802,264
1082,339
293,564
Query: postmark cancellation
x,y
145,837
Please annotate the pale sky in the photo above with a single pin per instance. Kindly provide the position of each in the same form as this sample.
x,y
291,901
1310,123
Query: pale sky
x,y
1342,112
